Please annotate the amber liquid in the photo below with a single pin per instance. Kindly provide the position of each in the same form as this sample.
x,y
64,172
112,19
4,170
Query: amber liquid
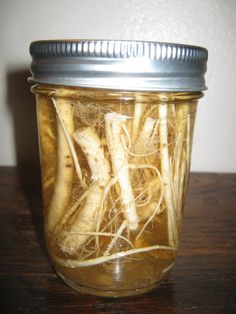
x,y
133,273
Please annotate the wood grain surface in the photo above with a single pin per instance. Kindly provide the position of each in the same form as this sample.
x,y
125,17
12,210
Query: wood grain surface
x,y
202,281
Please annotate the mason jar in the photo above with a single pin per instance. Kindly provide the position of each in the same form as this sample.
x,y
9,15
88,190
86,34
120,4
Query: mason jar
x,y
115,126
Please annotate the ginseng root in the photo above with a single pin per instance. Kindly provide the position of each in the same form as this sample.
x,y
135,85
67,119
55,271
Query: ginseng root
x,y
91,146
65,166
82,222
113,128
181,154
166,174
139,108
72,263
85,220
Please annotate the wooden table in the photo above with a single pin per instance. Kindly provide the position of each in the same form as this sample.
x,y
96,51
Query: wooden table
x,y
203,280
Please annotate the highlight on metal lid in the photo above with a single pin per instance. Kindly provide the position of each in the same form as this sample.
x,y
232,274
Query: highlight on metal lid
x,y
119,64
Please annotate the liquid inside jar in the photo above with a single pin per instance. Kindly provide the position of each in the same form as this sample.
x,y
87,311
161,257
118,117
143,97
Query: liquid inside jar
x,y
115,169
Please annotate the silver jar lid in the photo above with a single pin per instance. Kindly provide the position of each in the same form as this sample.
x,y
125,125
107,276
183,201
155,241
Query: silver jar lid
x,y
123,65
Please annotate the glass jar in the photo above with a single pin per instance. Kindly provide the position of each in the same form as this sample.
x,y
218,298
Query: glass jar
x,y
115,121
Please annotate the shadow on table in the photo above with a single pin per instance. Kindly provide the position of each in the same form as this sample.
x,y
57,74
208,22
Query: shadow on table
x,y
22,107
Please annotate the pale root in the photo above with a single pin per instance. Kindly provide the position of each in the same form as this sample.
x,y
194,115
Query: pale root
x,y
113,129
166,174
47,140
86,220
91,146
185,166
139,108
73,263
154,209
181,155
70,211
118,234
71,240
142,144
61,107
65,167
153,189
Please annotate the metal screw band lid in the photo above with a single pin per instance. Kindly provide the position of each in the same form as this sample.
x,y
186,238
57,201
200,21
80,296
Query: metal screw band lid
x,y
125,65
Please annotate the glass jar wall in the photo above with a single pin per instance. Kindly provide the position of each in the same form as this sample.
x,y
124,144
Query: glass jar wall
x,y
115,169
